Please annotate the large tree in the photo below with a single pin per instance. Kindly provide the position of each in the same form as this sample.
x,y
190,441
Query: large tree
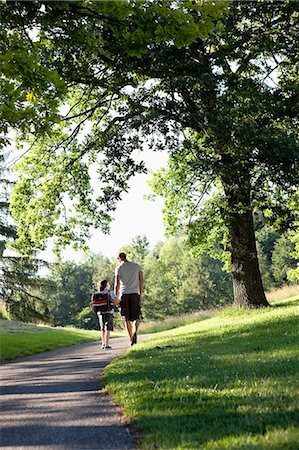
x,y
194,75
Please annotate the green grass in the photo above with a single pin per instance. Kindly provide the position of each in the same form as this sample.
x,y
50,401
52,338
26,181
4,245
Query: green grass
x,y
228,382
283,293
172,322
21,339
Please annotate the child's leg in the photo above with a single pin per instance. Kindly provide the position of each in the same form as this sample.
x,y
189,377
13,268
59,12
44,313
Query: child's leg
x,y
103,338
107,338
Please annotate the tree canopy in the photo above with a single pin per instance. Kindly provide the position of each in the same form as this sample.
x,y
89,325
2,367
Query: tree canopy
x,y
214,83
82,57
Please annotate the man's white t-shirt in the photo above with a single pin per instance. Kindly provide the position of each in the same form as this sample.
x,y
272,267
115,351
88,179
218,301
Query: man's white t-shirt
x,y
128,273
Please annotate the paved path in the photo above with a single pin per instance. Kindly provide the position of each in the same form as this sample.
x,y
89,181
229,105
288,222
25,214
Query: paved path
x,y
54,401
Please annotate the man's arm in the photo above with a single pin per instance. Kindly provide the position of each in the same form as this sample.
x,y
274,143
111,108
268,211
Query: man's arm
x,y
141,283
117,285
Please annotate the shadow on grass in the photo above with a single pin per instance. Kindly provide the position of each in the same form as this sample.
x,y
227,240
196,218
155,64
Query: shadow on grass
x,y
193,430
203,388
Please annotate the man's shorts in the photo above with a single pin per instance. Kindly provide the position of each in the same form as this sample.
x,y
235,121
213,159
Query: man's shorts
x,y
106,321
130,306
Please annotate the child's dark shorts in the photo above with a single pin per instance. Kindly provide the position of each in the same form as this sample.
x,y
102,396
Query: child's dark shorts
x,y
130,307
106,321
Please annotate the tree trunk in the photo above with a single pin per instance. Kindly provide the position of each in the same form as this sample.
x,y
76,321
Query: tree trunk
x,y
246,276
247,281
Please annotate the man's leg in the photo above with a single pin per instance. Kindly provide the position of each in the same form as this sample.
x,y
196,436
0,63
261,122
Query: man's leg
x,y
136,312
136,325
128,326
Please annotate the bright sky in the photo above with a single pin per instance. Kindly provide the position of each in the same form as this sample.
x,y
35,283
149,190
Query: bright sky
x,y
134,216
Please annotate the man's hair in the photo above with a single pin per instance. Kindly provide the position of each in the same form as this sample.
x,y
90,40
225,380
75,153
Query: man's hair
x,y
122,256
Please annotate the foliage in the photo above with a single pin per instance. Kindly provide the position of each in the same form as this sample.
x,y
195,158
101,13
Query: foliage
x,y
79,54
3,312
137,250
7,229
235,157
265,268
184,283
282,258
277,255
234,370
217,108
177,283
104,269
73,286
293,274
30,89
23,290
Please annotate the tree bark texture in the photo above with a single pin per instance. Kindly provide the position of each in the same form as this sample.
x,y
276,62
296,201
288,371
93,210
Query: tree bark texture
x,y
247,282
246,276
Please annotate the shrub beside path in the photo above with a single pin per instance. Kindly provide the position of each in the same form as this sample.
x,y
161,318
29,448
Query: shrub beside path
x,y
54,400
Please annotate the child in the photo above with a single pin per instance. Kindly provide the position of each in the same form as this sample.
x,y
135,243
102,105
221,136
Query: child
x,y
105,316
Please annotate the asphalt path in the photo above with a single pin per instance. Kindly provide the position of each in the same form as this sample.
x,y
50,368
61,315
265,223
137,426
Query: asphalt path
x,y
54,400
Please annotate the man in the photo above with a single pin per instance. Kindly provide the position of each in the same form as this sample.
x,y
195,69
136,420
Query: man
x,y
129,287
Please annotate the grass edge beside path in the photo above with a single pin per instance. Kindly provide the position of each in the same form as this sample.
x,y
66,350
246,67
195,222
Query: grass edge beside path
x,y
18,339
229,382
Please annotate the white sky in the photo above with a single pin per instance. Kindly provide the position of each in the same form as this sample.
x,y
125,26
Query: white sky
x,y
134,216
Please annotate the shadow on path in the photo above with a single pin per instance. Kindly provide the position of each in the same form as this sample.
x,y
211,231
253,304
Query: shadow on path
x,y
54,400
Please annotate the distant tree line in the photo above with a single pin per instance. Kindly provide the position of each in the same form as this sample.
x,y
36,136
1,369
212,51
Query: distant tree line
x,y
175,281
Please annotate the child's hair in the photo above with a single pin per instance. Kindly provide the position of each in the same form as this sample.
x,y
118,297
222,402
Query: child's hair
x,y
103,284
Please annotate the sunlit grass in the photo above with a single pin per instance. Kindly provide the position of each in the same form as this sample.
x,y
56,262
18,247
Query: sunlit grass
x,y
171,322
228,382
275,295
21,339
283,293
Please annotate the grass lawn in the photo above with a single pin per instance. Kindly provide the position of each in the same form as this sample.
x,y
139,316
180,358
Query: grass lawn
x,y
171,322
227,382
21,339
